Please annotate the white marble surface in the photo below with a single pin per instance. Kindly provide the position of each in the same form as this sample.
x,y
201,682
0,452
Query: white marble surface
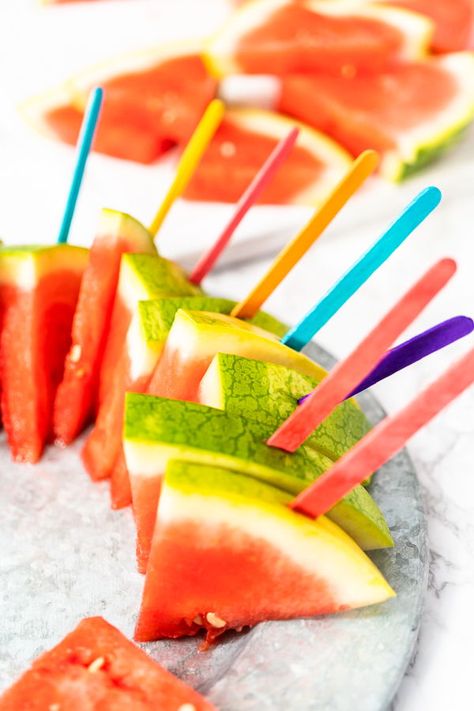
x,y
33,174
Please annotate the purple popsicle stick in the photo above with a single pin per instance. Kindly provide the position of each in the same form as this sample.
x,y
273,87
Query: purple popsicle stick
x,y
415,349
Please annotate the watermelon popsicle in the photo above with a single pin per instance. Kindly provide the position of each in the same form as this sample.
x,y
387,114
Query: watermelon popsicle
x,y
76,399
39,288
249,559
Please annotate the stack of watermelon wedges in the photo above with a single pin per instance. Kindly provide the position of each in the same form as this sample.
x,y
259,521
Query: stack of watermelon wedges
x,y
394,76
182,398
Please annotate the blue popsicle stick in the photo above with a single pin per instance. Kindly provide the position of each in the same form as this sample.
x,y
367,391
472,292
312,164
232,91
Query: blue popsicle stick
x,y
417,211
413,350
86,136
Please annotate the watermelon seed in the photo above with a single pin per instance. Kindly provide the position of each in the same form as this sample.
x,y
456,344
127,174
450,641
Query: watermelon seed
x,y
96,665
187,707
215,621
198,620
54,707
76,352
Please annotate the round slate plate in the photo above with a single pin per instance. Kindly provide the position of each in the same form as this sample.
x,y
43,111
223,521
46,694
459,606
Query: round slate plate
x,y
66,555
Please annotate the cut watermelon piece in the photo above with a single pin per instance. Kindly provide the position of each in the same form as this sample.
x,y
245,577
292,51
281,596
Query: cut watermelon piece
x,y
453,21
409,113
95,667
153,101
281,37
196,337
39,287
268,393
157,430
142,277
146,337
245,139
248,558
76,398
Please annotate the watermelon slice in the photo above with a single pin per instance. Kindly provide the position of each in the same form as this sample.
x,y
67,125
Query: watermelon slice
x,y
453,21
245,139
153,101
268,393
39,287
76,398
157,430
196,337
142,277
247,557
410,112
282,36
95,667
146,337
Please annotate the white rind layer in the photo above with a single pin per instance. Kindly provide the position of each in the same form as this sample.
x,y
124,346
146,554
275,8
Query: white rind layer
x,y
24,269
320,548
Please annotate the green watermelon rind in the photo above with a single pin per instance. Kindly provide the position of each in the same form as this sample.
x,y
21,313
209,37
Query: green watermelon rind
x,y
157,315
158,429
269,393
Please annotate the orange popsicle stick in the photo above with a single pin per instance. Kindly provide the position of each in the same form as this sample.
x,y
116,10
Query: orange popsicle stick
x,y
385,440
359,171
247,199
349,372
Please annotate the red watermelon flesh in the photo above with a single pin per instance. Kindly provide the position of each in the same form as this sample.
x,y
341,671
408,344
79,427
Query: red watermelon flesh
x,y
76,398
453,22
247,558
283,36
146,111
239,149
96,668
142,277
39,289
392,111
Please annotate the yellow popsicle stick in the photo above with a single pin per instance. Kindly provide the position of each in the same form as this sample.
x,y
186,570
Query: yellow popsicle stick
x,y
363,166
190,159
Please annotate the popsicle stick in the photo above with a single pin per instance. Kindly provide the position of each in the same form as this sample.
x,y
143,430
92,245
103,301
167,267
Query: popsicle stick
x,y
84,144
190,159
417,211
359,171
385,440
247,199
349,372
415,349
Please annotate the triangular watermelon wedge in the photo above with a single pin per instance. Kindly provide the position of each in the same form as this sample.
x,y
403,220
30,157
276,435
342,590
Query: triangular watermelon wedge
x,y
142,277
96,667
228,553
409,112
77,394
39,288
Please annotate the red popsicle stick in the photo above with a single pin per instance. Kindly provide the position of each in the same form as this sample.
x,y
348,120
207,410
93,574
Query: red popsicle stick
x,y
247,199
349,372
385,440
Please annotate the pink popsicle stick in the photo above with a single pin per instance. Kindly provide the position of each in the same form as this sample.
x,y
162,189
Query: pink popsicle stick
x,y
385,440
349,372
247,199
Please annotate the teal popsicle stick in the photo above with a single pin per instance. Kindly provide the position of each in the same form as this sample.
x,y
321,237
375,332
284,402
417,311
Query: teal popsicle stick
x,y
84,143
413,215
